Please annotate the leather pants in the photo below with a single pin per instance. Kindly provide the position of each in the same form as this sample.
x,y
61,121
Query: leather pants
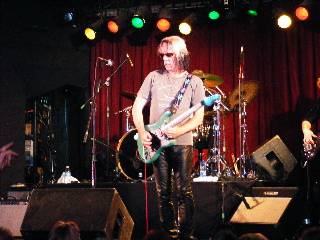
x,y
179,159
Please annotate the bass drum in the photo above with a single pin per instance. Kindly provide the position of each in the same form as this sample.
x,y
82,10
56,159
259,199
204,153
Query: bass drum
x,y
128,158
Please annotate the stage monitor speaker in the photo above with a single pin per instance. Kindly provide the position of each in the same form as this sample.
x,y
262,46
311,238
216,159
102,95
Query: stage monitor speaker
x,y
275,158
11,216
100,213
266,209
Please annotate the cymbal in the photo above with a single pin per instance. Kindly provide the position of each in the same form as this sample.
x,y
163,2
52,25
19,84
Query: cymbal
x,y
129,95
248,91
209,80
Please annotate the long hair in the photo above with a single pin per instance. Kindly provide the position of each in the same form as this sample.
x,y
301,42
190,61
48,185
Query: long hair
x,y
179,48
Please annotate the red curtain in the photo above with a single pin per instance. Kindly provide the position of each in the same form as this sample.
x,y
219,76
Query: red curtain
x,y
285,64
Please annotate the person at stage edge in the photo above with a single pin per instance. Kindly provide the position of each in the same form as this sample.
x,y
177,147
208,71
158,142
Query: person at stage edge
x,y
160,88
311,117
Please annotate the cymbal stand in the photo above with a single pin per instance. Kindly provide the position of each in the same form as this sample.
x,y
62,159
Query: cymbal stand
x,y
246,169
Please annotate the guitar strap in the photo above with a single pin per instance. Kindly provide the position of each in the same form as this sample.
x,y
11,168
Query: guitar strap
x,y
176,102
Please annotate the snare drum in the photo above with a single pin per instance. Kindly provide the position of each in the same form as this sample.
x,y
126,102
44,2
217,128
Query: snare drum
x,y
128,158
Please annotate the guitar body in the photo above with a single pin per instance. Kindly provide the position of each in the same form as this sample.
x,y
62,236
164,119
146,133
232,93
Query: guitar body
x,y
159,140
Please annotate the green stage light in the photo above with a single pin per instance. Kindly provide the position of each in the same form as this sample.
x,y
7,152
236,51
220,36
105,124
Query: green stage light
x,y
214,15
137,21
252,12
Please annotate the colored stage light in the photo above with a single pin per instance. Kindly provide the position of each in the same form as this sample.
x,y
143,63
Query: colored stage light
x,y
164,20
112,26
252,12
92,29
214,15
90,33
117,24
138,21
302,13
68,16
163,24
284,21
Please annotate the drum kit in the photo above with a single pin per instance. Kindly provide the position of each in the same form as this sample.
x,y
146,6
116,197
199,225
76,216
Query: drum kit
x,y
209,138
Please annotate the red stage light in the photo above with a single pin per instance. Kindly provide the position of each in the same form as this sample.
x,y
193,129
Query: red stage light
x,y
112,26
163,24
302,13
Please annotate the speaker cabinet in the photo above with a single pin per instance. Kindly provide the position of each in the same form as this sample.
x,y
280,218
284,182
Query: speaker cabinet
x,y
11,216
98,212
275,158
268,210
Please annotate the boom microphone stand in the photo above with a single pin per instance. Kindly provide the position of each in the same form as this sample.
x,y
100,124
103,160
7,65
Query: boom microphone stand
x,y
92,118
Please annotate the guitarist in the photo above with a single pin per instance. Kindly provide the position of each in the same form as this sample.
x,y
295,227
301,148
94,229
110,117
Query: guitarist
x,y
160,88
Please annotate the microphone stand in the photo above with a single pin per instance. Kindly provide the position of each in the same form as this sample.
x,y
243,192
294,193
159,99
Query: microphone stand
x,y
92,118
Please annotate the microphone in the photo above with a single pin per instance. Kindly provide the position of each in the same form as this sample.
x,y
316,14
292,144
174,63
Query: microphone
x,y
129,59
106,62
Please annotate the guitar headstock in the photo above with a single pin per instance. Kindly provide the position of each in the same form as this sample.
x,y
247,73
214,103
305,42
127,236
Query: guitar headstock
x,y
208,101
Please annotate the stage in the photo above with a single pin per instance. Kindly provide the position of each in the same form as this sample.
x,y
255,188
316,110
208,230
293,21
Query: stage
x,y
215,203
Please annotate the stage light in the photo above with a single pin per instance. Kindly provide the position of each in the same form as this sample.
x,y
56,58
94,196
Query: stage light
x,y
214,15
215,11
185,27
252,8
112,26
68,16
138,21
302,13
91,31
164,20
252,12
117,24
284,21
303,10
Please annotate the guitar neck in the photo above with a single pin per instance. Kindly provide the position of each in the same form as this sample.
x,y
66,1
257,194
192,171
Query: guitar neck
x,y
182,117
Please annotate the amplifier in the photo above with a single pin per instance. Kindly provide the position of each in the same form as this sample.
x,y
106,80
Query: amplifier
x,y
12,214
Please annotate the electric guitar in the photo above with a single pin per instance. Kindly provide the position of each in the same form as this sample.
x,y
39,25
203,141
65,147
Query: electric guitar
x,y
159,139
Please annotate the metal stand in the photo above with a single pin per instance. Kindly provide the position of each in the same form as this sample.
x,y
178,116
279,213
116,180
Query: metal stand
x,y
216,159
92,118
246,169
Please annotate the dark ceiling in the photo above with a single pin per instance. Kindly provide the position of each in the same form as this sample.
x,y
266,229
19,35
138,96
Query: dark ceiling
x,y
45,52
38,46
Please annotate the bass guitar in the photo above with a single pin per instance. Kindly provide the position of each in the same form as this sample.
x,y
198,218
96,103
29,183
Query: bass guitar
x,y
159,139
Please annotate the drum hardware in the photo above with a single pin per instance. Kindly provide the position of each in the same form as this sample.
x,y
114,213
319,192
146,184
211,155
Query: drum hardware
x,y
244,93
217,164
127,110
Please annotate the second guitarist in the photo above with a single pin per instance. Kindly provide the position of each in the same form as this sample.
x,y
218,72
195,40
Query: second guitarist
x,y
160,88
